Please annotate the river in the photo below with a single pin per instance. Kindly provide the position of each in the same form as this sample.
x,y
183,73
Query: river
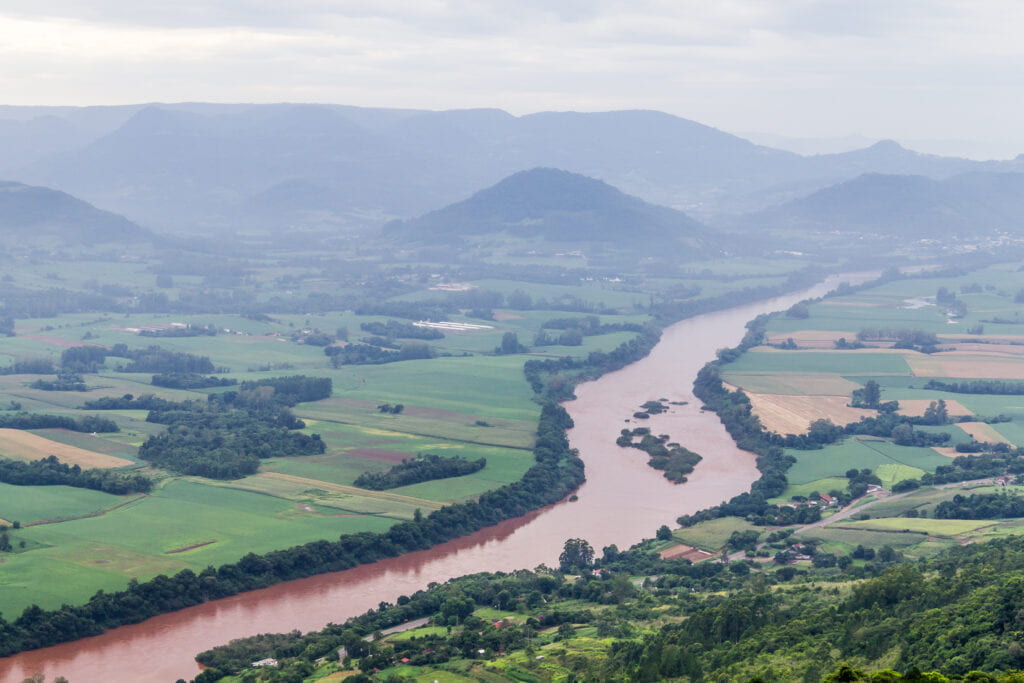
x,y
622,502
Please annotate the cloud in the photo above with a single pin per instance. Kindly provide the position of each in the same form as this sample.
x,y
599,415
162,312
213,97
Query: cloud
x,y
798,67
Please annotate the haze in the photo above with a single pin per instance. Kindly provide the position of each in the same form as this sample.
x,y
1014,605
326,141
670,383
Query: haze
x,y
939,76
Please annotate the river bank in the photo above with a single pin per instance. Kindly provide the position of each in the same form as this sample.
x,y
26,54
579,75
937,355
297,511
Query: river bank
x,y
622,502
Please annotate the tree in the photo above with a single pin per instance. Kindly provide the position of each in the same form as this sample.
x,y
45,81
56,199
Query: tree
x,y
936,413
509,344
798,310
664,533
872,394
576,554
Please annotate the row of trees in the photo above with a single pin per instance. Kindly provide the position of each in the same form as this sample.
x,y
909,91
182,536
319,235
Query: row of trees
x,y
86,423
49,471
424,467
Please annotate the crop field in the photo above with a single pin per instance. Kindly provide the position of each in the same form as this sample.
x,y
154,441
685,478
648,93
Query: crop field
x,y
713,534
979,431
791,383
28,504
819,485
891,473
860,362
932,527
17,444
852,537
859,453
787,414
916,406
790,388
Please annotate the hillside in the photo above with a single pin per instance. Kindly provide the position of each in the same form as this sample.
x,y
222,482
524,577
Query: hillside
x,y
956,616
911,205
28,213
556,205
195,165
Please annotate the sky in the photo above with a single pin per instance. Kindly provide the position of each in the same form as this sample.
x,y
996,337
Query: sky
x,y
941,75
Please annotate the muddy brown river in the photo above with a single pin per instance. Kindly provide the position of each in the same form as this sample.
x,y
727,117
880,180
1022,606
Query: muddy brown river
x,y
622,502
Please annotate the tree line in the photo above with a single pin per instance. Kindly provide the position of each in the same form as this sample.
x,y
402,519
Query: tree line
x,y
49,471
86,423
424,467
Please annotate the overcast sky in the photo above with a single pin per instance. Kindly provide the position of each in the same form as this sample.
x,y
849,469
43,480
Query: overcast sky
x,y
912,70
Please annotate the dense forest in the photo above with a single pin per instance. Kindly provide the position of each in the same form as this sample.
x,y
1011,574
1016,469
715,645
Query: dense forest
x,y
881,619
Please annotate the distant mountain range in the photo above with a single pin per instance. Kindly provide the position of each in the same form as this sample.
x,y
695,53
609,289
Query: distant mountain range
x,y
204,166
28,214
908,205
556,205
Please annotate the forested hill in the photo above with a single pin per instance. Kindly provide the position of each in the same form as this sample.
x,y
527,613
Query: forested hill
x,y
558,205
957,617
28,212
911,205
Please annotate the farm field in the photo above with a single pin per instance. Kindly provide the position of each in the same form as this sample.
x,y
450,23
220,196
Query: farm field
x,y
465,400
713,534
17,444
981,342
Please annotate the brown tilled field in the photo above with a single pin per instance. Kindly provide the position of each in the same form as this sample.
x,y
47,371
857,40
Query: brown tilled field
x,y
786,414
21,445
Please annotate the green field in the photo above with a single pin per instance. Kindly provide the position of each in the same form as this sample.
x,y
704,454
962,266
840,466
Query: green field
x,y
932,527
713,534
32,503
859,453
838,362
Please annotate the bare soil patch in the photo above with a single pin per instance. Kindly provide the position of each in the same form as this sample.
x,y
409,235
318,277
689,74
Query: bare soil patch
x,y
787,414
25,446
501,316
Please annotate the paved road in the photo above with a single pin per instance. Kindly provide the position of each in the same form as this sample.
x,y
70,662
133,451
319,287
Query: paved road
x,y
854,509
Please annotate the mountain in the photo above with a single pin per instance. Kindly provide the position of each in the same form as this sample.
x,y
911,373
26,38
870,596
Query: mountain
x,y
912,205
28,213
204,167
556,205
